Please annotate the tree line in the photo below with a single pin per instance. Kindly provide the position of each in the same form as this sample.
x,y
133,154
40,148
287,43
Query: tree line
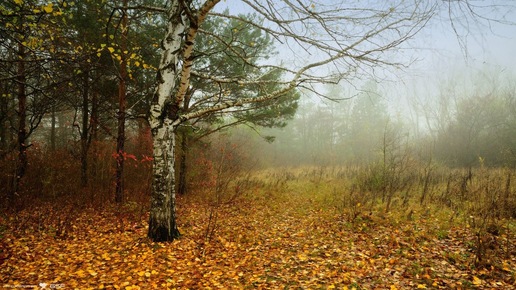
x,y
78,74
457,127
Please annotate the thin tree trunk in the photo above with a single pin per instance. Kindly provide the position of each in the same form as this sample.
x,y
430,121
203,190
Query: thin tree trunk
x,y
426,183
122,90
21,165
183,168
94,120
53,129
93,136
3,123
84,131
120,144
183,164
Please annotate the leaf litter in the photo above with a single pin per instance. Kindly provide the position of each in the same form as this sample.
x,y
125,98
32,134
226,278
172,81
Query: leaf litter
x,y
265,242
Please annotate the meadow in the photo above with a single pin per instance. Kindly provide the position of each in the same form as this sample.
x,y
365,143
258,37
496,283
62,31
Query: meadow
x,y
283,228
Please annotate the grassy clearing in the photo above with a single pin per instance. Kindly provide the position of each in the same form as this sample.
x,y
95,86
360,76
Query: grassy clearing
x,y
311,228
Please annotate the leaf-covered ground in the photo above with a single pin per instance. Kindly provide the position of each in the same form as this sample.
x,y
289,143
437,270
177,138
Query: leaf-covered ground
x,y
268,241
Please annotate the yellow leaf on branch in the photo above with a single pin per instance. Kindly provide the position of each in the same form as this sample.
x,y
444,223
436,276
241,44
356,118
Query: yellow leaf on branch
x,y
48,8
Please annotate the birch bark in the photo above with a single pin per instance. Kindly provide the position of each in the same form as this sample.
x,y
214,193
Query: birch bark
x,y
339,51
162,221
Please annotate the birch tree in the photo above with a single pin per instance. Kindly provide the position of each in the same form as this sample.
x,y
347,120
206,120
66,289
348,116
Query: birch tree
x,y
322,43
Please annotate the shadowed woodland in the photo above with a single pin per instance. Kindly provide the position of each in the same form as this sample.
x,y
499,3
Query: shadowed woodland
x,y
128,164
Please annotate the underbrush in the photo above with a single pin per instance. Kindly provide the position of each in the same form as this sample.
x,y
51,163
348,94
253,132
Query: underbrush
x,y
482,201
262,229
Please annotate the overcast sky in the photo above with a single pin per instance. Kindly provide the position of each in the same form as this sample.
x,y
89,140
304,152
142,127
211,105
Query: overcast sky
x,y
493,45
470,61
478,47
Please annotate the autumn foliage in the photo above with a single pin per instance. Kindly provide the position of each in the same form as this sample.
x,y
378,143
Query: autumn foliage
x,y
305,228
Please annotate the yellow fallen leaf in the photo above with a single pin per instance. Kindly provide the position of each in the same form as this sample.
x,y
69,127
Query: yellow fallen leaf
x,y
106,256
421,286
476,280
506,267
80,273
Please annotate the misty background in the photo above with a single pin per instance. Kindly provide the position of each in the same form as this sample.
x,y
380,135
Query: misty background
x,y
454,103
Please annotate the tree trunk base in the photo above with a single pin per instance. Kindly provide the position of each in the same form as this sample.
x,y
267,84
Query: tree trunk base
x,y
161,233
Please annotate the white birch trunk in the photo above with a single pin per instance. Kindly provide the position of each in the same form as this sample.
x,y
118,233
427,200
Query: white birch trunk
x,y
162,221
172,82
177,60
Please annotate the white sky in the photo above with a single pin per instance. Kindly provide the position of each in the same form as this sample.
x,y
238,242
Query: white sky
x,y
490,49
490,54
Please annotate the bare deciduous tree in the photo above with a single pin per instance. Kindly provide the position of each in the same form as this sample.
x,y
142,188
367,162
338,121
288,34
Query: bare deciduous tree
x,y
318,42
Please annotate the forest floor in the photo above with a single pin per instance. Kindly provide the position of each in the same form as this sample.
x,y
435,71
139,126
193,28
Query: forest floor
x,y
291,238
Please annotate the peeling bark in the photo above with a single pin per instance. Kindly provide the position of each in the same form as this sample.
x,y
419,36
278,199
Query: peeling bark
x,y
162,223
162,220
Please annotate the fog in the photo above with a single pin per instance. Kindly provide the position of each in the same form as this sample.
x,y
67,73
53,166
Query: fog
x,y
453,103
462,118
